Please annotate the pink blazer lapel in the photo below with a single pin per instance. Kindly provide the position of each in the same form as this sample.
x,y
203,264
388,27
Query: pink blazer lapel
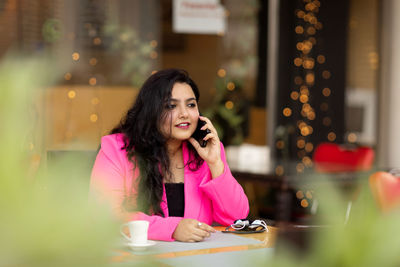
x,y
164,204
193,196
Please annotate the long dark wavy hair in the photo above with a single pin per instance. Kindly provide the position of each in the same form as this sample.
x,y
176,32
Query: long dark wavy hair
x,y
146,145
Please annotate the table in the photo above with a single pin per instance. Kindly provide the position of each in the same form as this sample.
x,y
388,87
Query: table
x,y
268,239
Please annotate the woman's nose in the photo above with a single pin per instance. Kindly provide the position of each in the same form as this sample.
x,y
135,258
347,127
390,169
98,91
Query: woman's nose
x,y
183,112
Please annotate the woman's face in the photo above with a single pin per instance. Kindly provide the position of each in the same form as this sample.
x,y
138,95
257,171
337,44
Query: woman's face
x,y
182,113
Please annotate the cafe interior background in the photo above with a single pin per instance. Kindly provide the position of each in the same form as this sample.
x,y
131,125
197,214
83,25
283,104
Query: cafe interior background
x,y
278,79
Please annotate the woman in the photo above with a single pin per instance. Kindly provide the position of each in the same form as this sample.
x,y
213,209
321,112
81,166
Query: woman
x,y
150,168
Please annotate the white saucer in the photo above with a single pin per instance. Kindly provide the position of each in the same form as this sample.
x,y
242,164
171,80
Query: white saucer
x,y
139,247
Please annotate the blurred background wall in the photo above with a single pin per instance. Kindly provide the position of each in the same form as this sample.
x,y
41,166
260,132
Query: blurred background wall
x,y
329,69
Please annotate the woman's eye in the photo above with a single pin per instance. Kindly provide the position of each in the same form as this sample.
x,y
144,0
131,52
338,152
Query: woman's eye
x,y
192,105
170,106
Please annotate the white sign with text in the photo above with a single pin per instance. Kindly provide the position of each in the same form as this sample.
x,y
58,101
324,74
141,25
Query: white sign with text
x,y
199,16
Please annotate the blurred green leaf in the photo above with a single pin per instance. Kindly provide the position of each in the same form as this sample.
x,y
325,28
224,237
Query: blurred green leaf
x,y
46,219
368,239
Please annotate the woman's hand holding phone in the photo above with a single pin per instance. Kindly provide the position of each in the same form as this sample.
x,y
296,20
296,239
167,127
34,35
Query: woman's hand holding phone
x,y
211,153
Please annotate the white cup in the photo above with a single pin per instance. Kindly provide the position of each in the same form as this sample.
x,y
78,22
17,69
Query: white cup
x,y
137,230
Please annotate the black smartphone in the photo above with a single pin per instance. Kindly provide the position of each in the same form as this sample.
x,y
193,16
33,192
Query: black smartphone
x,y
200,134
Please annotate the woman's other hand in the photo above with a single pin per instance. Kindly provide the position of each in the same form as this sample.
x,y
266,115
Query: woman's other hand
x,y
211,153
191,230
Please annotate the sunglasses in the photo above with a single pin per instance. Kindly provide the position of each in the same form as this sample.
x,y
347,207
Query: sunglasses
x,y
245,226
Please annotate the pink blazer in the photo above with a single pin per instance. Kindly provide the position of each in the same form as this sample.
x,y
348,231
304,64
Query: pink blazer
x,y
208,200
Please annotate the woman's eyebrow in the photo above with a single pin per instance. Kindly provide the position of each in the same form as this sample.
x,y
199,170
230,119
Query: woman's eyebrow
x,y
187,100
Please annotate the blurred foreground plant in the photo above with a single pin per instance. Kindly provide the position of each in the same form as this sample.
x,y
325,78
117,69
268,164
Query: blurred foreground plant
x,y
45,221
368,239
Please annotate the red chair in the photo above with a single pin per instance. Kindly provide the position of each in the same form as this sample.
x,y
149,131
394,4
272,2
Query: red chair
x,y
331,158
334,158
385,187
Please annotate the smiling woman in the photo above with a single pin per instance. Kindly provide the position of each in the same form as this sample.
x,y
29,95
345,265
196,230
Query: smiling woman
x,y
151,168
182,113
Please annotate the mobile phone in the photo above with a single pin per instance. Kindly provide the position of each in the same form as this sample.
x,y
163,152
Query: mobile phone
x,y
200,134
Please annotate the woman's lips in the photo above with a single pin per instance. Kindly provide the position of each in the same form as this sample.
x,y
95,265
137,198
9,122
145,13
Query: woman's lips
x,y
183,125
